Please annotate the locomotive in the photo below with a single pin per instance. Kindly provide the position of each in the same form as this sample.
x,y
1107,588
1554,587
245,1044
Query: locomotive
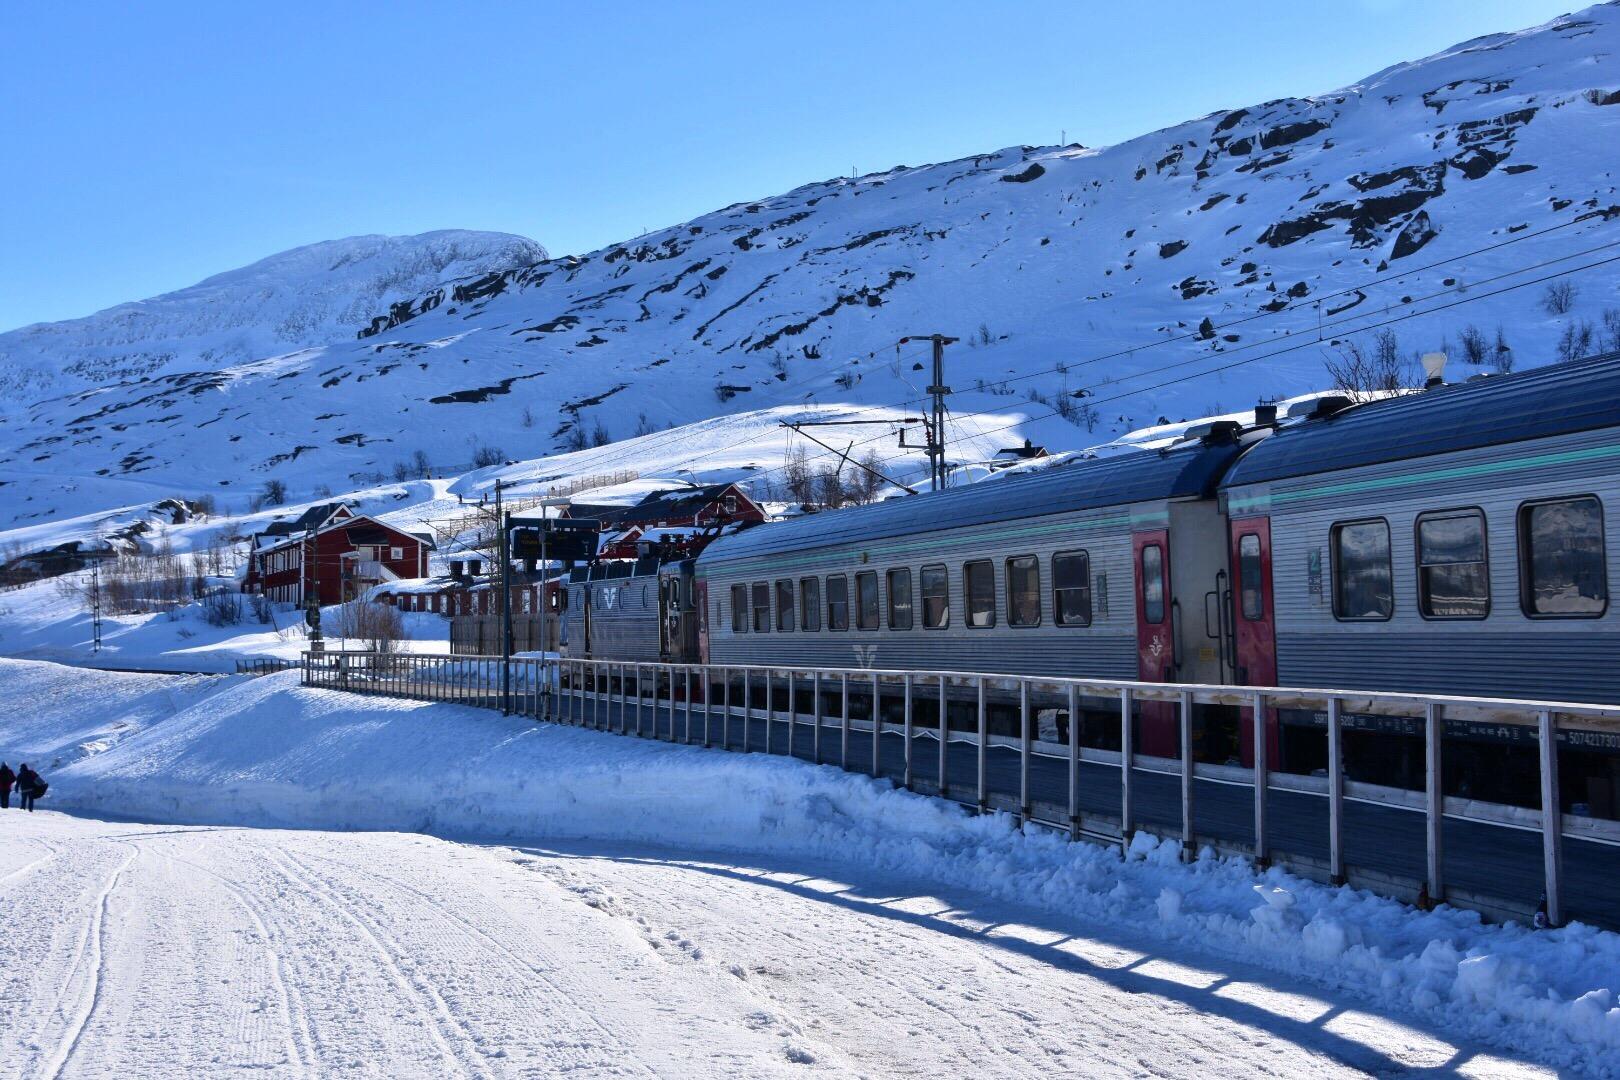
x,y
1449,541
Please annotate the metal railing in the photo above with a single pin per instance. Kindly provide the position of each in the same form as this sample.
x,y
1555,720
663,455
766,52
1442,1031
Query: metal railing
x,y
1107,759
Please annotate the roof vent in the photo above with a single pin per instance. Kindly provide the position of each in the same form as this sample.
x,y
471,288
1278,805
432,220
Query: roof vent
x,y
1318,408
1214,431
1265,415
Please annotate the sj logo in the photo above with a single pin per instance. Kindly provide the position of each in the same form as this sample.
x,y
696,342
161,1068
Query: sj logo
x,y
1156,647
866,656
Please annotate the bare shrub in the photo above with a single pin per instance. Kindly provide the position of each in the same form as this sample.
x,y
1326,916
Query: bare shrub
x,y
1501,354
1475,348
1364,375
379,626
1559,297
420,464
222,607
864,481
1611,330
796,475
599,435
846,380
402,471
1575,342
487,456
275,492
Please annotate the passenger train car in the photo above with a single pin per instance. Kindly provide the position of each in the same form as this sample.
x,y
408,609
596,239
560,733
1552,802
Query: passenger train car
x,y
1448,541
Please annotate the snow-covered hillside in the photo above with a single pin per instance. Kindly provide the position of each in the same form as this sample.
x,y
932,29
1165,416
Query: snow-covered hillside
x,y
310,295
1189,271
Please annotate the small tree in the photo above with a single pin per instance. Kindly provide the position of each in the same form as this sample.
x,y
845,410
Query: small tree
x,y
421,465
1501,354
275,492
1364,375
486,456
1611,330
1575,342
378,626
599,435
402,471
1559,297
865,481
796,476
1475,349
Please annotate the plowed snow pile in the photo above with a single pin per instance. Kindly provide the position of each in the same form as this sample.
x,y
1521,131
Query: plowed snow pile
x,y
270,753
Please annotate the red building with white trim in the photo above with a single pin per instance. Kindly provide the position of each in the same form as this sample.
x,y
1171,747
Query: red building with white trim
x,y
340,559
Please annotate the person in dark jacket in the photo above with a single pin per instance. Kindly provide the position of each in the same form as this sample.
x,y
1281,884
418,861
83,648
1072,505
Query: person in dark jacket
x,y
28,784
7,778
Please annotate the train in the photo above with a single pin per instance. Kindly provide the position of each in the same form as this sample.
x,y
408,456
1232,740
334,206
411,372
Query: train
x,y
1445,541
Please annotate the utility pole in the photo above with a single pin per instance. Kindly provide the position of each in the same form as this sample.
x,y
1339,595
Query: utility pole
x,y
95,608
506,602
311,568
936,391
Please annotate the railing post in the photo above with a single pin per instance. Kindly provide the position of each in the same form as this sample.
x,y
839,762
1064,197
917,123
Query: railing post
x,y
815,716
908,728
1189,841
708,705
1127,751
639,695
1025,745
984,739
1552,817
725,710
843,750
1074,762
686,679
1335,794
748,706
1261,856
770,706
944,737
793,709
1434,799
877,724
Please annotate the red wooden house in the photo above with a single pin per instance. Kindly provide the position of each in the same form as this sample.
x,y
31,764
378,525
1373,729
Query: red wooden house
x,y
340,559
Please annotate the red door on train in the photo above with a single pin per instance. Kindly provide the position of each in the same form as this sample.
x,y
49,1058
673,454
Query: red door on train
x,y
1254,626
1155,639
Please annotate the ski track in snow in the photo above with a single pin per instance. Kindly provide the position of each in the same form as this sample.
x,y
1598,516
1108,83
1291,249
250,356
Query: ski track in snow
x,y
133,950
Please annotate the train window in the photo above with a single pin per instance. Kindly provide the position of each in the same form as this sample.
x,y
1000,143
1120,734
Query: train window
x,y
810,604
979,585
1563,570
1071,588
762,607
1454,579
739,609
1363,580
1153,584
784,605
1251,593
837,602
1023,591
866,600
936,597
900,599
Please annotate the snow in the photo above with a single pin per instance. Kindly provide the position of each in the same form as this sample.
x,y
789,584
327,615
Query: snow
x,y
1297,966
723,326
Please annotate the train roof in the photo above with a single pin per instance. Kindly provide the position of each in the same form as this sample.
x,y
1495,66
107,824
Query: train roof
x,y
1554,400
1142,475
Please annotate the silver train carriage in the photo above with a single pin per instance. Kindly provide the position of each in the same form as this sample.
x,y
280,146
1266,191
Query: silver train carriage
x,y
1451,541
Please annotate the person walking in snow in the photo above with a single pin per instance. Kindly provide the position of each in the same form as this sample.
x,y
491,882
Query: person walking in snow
x,y
7,778
29,786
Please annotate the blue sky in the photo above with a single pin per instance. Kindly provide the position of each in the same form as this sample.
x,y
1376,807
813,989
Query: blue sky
x,y
147,146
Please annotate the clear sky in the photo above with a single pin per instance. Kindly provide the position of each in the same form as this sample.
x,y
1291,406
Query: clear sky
x,y
144,146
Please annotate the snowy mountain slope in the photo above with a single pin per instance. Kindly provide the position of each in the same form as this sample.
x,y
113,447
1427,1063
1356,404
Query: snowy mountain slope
x,y
1161,277
307,296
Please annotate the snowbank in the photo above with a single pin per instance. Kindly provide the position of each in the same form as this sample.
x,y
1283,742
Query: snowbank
x,y
267,752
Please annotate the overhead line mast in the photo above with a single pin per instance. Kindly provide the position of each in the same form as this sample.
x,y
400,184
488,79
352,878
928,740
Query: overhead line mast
x,y
935,429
